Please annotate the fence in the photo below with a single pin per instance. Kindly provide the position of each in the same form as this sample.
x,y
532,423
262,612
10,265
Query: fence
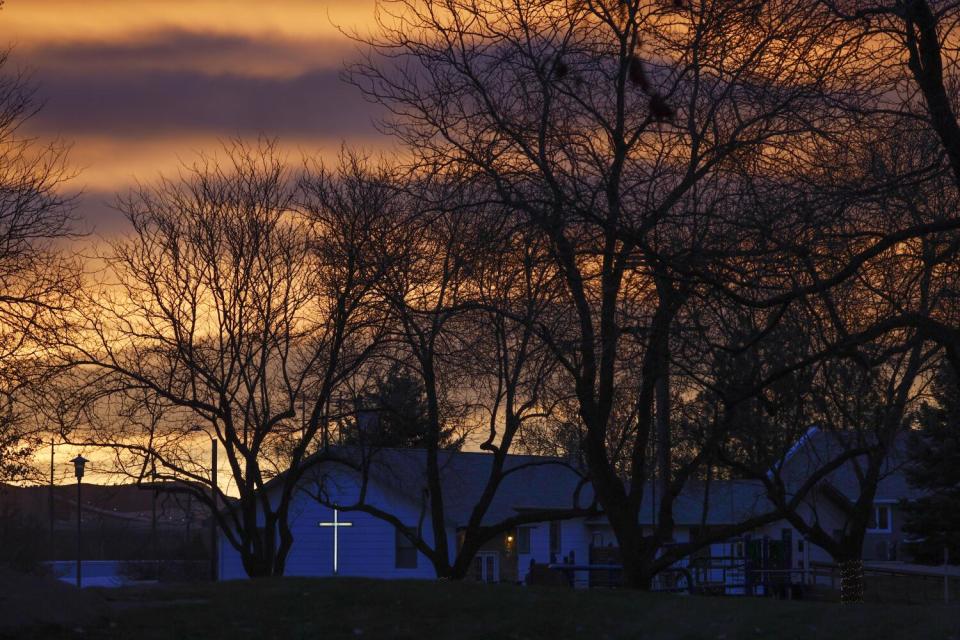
x,y
673,580
893,585
735,576
821,581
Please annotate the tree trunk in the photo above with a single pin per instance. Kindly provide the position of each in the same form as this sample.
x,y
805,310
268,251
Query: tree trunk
x,y
637,573
637,577
457,573
850,564
262,560
851,581
257,566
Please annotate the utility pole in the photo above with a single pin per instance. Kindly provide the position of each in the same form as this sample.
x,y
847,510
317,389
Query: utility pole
x,y
50,550
946,574
213,509
153,529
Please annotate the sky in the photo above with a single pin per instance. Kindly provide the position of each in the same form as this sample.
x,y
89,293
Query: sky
x,y
137,86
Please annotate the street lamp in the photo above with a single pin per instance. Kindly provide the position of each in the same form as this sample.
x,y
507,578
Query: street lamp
x,y
213,501
78,464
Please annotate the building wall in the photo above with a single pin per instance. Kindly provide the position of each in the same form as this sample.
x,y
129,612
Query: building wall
x,y
539,549
887,546
366,549
876,546
804,553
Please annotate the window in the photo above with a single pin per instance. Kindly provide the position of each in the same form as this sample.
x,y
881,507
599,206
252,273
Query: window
x,y
406,552
880,521
555,541
523,540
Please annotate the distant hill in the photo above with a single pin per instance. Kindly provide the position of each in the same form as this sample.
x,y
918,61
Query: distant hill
x,y
123,502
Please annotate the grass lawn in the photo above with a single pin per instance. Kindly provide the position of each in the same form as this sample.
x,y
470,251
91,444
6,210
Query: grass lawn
x,y
293,608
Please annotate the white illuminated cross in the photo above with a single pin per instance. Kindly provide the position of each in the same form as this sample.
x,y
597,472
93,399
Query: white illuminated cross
x,y
336,524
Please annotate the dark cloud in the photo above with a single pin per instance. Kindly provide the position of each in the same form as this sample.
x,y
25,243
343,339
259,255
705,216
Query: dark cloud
x,y
98,215
138,101
173,49
124,104
185,82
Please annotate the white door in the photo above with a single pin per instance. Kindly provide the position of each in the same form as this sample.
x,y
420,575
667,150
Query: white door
x,y
486,566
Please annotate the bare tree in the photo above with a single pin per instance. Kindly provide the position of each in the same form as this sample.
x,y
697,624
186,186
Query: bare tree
x,y
460,297
234,308
36,277
617,131
908,69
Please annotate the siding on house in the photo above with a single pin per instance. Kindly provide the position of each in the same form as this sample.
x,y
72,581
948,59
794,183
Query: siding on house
x,y
539,549
366,549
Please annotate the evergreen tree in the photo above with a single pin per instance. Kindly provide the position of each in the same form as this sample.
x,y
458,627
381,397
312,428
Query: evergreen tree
x,y
394,414
934,468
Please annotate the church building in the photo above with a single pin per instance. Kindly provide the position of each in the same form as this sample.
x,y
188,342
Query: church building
x,y
330,541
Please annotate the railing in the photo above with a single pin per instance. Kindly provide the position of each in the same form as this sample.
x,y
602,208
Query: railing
x,y
820,581
671,580
893,585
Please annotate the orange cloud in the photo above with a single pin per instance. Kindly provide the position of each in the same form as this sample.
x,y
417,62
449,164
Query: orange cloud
x,y
31,22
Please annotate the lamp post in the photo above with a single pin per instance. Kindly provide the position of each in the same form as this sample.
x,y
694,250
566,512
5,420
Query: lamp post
x,y
78,464
213,501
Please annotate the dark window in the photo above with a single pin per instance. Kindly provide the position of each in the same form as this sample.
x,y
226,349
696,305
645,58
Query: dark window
x,y
523,540
406,552
881,519
555,541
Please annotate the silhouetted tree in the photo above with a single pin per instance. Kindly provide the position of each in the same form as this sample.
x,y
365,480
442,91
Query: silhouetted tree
x,y
460,296
934,469
238,305
36,277
618,134
394,414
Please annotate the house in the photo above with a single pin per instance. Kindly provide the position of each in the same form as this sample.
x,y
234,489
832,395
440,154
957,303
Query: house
x,y
330,541
885,539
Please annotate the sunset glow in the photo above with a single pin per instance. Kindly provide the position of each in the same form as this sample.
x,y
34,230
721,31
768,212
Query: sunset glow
x,y
137,86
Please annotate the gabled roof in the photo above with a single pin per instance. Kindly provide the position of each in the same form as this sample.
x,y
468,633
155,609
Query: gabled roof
x,y
531,482
730,502
537,482
818,447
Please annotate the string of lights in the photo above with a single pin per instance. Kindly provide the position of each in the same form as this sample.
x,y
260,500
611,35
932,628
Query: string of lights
x,y
851,582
